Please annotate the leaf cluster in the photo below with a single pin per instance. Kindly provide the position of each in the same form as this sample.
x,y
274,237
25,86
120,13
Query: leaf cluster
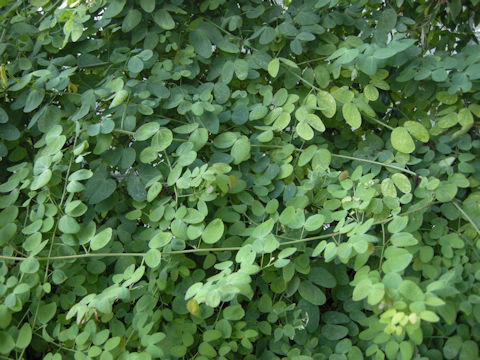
x,y
239,179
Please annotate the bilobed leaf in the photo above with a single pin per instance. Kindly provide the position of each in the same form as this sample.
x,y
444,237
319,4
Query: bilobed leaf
x,y
202,44
352,115
24,336
41,180
132,19
367,64
6,342
163,19
233,312
263,229
241,150
371,92
304,130
147,5
153,191
315,122
334,332
34,99
402,182
119,98
314,222
398,261
146,131
98,188
417,130
311,293
327,104
153,258
241,69
135,64
402,141
446,192
101,239
273,67
397,224
213,231
68,225
161,140
411,291
30,265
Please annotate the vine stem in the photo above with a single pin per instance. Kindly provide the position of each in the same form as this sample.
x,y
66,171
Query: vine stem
x,y
377,163
341,102
350,158
52,239
470,220
189,251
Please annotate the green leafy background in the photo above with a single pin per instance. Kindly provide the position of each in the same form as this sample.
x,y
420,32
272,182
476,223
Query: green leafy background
x,y
239,179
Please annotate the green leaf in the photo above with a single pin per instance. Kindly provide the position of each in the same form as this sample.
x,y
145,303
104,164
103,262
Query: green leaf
x,y
202,44
397,261
233,312
213,231
446,192
314,222
371,92
388,188
327,104
311,293
68,225
452,347
402,141
410,290
469,350
41,180
135,64
263,229
367,64
131,21
241,69
273,67
115,7
402,239
3,116
406,350
334,332
352,115
153,258
147,5
315,122
146,131
101,239
34,99
30,265
402,183
429,316
163,19
6,343
98,188
119,98
162,140
135,188
160,240
241,150
24,336
153,191
397,224
304,130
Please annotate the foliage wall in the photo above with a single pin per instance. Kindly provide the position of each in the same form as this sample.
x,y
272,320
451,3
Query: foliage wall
x,y
239,179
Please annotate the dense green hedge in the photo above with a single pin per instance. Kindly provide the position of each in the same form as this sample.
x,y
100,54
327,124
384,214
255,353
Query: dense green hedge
x,y
239,179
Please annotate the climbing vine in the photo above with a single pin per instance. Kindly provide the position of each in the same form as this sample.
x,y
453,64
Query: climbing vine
x,y
239,179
